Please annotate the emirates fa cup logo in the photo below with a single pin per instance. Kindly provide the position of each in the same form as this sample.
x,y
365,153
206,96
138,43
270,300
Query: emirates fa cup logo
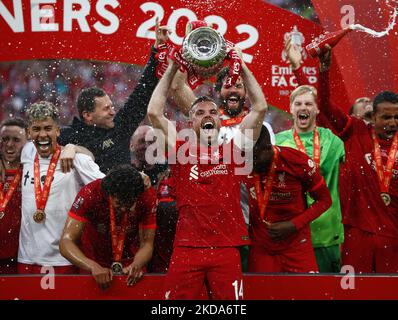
x,y
297,40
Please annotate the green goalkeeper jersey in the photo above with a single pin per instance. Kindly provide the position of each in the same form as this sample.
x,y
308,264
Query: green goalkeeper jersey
x,y
327,229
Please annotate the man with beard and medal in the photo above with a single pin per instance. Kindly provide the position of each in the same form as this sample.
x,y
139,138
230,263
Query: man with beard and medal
x,y
12,139
121,213
368,180
47,192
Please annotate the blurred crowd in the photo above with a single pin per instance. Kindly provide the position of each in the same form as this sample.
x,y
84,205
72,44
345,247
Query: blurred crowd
x,y
59,81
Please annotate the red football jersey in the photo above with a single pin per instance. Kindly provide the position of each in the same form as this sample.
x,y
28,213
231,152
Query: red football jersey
x,y
208,199
295,175
11,222
363,206
91,206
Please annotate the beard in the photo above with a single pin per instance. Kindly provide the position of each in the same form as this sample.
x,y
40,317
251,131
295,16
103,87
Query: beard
x,y
232,112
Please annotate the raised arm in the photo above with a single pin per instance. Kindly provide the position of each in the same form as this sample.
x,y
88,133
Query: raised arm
x,y
295,60
255,117
135,109
338,120
182,93
157,104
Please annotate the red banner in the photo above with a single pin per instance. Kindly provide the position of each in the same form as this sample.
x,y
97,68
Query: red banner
x,y
256,287
366,64
122,31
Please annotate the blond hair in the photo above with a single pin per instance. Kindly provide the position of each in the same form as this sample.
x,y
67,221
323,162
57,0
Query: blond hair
x,y
301,90
41,111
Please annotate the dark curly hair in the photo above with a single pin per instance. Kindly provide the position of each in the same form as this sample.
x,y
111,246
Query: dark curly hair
x,y
123,182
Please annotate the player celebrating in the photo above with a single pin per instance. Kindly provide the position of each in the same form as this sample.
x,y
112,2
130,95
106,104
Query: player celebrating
x,y
209,230
47,192
327,151
122,217
280,232
369,184
12,140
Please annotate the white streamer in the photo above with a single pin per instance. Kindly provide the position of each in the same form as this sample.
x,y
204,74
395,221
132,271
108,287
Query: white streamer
x,y
380,34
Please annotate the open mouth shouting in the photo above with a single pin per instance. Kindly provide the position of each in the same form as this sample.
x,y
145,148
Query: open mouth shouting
x,y
233,101
303,118
390,133
43,146
208,126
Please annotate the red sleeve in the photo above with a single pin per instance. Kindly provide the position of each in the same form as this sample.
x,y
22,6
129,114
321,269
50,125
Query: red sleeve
x,y
301,77
84,202
336,119
147,205
313,183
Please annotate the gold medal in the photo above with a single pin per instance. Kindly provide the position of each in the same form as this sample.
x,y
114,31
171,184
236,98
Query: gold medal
x,y
117,269
386,198
2,215
39,216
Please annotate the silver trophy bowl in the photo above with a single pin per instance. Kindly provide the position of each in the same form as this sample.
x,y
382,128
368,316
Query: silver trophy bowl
x,y
205,50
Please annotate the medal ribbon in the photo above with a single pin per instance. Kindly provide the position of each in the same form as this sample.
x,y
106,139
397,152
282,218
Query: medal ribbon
x,y
317,145
232,121
41,196
384,177
263,198
5,198
117,237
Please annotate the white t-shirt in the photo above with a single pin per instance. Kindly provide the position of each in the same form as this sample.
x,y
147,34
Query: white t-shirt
x,y
227,133
39,242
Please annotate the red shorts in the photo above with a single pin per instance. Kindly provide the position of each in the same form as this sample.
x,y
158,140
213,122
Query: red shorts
x,y
369,253
36,269
191,269
297,259
8,266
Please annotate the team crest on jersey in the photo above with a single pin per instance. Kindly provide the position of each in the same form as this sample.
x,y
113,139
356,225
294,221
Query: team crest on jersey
x,y
78,202
281,180
312,166
107,144
216,155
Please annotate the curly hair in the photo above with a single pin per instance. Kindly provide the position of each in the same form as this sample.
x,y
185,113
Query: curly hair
x,y
42,110
123,182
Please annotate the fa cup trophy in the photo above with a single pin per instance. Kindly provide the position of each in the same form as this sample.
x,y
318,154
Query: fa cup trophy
x,y
203,54
204,48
